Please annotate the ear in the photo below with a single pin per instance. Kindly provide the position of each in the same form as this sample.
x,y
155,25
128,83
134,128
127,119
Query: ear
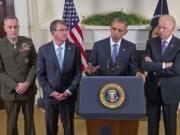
x,y
173,29
52,33
126,31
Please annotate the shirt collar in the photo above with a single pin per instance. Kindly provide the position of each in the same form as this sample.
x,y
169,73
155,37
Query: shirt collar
x,y
168,40
11,41
57,46
112,42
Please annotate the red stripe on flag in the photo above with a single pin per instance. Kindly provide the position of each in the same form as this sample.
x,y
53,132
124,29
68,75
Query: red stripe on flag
x,y
79,31
76,41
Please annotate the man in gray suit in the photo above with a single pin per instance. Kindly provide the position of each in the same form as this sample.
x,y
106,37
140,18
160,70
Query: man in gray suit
x,y
162,86
17,76
59,70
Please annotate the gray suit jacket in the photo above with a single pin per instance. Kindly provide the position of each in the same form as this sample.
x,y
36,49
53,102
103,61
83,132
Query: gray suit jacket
x,y
169,78
125,63
17,65
50,76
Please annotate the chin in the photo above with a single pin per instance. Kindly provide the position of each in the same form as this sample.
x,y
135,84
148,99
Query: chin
x,y
117,39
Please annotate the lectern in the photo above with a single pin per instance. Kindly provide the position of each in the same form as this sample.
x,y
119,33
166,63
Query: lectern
x,y
112,105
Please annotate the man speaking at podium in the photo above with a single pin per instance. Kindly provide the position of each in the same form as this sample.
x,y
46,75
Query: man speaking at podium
x,y
114,56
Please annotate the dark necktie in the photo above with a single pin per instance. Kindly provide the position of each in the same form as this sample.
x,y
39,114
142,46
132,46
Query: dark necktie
x,y
115,52
163,46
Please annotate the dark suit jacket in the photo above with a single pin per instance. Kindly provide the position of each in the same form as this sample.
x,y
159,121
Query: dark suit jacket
x,y
125,63
169,78
17,65
49,75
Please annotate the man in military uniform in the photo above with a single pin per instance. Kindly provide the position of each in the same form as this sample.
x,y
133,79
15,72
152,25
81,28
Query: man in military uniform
x,y
17,77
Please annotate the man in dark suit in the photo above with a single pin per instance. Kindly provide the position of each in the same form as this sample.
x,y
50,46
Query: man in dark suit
x,y
59,71
114,56
162,86
17,76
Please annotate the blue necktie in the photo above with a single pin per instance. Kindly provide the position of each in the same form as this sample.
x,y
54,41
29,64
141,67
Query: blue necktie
x,y
59,57
115,52
163,46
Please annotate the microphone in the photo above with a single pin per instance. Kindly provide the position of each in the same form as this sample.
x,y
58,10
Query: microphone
x,y
114,66
108,64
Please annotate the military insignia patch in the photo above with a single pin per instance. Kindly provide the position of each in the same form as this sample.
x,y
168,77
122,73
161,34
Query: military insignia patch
x,y
112,95
24,47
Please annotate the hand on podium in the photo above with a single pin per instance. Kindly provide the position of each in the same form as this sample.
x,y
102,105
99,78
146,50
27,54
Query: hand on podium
x,y
140,75
90,69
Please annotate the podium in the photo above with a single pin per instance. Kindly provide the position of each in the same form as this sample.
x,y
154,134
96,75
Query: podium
x,y
107,114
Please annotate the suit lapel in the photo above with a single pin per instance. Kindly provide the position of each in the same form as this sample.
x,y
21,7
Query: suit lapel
x,y
156,48
108,49
53,55
122,49
170,46
67,55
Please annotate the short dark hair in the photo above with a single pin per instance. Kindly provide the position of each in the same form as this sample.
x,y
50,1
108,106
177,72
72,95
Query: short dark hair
x,y
120,20
10,17
54,24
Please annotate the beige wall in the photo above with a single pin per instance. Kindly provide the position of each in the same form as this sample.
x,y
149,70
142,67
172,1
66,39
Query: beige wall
x,y
35,14
50,9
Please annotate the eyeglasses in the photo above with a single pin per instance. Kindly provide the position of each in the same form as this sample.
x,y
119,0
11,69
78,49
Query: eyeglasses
x,y
61,30
116,29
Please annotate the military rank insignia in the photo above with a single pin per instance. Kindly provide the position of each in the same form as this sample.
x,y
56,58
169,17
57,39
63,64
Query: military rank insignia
x,y
112,95
24,47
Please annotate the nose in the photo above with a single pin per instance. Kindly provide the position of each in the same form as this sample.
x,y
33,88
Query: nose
x,y
12,29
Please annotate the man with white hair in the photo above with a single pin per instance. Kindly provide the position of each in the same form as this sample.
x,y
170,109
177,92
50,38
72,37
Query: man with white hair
x,y
162,87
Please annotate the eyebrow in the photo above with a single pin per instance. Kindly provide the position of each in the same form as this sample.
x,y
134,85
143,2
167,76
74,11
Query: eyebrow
x,y
120,30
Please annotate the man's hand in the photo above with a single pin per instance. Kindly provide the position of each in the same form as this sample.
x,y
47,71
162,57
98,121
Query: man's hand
x,y
61,96
139,74
57,95
22,87
168,64
148,59
90,69
66,94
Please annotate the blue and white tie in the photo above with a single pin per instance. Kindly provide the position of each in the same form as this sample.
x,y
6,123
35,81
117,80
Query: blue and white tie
x,y
115,52
59,57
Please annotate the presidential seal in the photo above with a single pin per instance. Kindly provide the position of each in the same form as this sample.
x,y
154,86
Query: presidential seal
x,y
112,95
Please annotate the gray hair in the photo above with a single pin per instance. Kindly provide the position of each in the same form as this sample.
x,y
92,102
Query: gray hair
x,y
169,18
119,20
10,18
54,24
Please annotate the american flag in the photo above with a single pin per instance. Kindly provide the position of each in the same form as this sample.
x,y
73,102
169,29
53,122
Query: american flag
x,y
75,34
161,9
